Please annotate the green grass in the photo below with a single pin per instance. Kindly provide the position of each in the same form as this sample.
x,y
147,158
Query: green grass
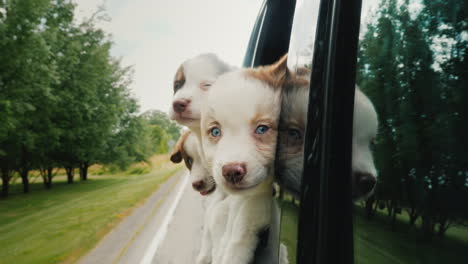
x,y
376,243
62,224
289,223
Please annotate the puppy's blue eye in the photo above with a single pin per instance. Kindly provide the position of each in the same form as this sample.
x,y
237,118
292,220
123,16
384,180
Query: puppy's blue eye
x,y
294,133
262,129
215,132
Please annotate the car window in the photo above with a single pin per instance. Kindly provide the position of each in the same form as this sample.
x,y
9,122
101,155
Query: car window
x,y
412,65
289,161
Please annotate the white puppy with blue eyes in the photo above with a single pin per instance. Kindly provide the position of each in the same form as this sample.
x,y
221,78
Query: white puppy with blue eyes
x,y
239,128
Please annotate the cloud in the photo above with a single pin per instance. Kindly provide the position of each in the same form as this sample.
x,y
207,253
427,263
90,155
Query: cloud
x,y
156,36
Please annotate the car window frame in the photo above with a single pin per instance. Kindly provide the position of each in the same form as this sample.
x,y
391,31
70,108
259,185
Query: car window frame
x,y
325,223
325,217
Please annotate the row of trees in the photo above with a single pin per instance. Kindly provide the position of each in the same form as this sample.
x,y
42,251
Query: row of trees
x,y
64,100
413,65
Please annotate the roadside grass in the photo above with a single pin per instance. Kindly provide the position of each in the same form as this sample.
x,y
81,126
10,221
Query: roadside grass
x,y
61,224
289,223
376,242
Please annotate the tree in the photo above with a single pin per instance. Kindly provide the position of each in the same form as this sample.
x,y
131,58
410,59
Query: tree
x,y
159,118
159,139
26,72
131,141
416,90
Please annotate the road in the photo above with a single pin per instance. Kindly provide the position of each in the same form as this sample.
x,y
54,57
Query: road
x,y
165,230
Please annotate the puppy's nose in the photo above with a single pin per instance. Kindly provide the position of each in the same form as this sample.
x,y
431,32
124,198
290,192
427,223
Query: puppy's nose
x,y
365,182
198,185
234,172
180,105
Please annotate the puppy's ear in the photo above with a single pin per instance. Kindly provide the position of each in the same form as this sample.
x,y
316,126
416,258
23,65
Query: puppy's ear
x,y
276,75
176,155
280,70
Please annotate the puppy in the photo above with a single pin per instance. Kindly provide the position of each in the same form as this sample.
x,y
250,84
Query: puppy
x,y
291,138
187,149
191,82
293,121
216,217
239,128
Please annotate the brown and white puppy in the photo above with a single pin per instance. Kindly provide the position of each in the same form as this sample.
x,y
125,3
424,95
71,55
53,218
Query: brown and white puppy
x,y
191,82
187,149
239,129
291,138
293,121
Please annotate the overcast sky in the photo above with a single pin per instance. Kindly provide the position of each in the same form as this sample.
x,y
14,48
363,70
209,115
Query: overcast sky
x,y
155,36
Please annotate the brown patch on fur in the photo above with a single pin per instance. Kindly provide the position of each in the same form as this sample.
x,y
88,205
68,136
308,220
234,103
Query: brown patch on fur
x,y
179,79
260,118
290,146
275,75
303,71
278,75
265,143
293,115
298,81
178,153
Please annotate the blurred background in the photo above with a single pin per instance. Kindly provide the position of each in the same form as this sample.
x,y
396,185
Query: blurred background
x,y
84,135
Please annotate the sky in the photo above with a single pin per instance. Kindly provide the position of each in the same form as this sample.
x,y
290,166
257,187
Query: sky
x,y
156,36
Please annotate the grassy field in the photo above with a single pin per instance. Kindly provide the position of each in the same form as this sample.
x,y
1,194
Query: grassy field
x,y
61,224
289,222
376,243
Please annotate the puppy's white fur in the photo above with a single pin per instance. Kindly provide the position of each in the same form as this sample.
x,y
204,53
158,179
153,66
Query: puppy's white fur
x,y
237,105
216,217
365,126
191,82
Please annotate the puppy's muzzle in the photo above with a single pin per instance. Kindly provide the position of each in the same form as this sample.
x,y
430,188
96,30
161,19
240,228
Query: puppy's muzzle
x,y
198,185
180,105
234,172
364,183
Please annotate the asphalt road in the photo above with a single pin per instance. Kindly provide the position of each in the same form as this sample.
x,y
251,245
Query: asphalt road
x,y
165,230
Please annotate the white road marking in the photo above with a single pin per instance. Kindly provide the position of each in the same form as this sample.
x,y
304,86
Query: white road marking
x,y
153,247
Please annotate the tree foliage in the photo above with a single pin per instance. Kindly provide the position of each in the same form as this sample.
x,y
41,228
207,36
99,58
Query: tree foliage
x,y
64,100
412,64
160,119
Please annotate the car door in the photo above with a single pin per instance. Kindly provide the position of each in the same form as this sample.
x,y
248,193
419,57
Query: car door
x,y
323,214
409,59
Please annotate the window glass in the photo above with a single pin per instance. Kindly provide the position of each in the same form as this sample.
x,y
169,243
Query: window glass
x,y
412,65
293,119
